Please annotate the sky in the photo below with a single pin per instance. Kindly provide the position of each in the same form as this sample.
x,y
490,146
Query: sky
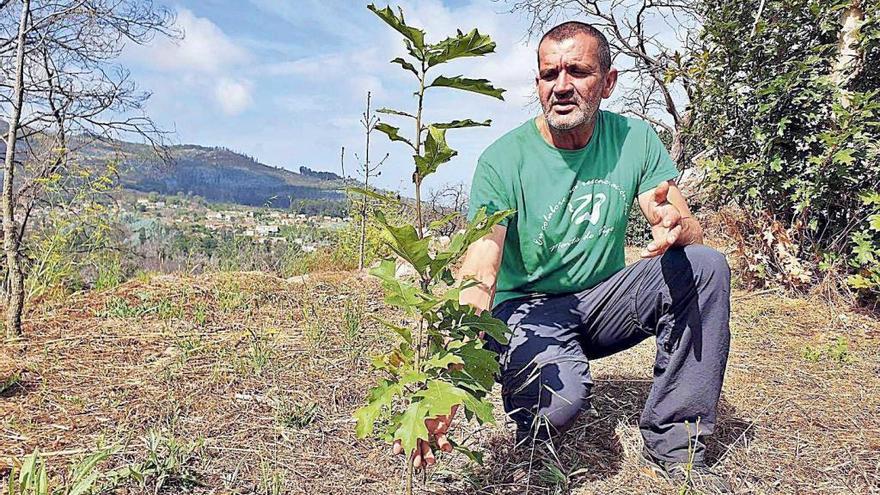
x,y
286,81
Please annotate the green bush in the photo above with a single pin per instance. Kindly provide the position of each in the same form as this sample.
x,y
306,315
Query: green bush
x,y
792,137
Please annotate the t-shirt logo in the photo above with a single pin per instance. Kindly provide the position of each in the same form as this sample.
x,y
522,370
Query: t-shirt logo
x,y
585,201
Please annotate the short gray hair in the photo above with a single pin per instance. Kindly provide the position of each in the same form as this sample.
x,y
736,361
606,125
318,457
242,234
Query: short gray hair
x,y
570,29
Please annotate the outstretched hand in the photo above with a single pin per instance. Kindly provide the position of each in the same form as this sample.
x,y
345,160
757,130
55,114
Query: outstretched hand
x,y
665,220
437,428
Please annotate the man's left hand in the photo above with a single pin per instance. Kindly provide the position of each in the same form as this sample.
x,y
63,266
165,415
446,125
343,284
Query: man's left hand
x,y
665,220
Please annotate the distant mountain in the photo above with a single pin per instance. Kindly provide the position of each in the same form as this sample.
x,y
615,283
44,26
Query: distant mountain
x,y
216,174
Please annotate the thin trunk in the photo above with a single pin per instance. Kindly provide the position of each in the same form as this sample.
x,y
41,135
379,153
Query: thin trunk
x,y
417,179
848,50
11,240
678,150
363,239
342,164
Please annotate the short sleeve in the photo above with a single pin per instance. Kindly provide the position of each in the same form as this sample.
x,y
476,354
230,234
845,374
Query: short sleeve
x,y
487,190
658,165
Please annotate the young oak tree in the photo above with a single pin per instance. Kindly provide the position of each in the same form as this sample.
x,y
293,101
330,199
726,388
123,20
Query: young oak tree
x,y
441,362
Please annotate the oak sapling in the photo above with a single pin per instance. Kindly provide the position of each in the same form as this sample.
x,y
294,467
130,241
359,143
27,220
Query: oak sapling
x,y
441,362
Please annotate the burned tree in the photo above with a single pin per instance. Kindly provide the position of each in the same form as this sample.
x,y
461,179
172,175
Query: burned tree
x,y
63,90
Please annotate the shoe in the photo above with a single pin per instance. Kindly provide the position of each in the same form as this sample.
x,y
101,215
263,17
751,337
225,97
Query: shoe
x,y
695,476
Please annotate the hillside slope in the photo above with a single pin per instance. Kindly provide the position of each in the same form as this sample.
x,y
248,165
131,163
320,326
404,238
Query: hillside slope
x,y
216,174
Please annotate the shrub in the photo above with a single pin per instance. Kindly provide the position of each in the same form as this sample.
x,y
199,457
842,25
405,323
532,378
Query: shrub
x,y
793,137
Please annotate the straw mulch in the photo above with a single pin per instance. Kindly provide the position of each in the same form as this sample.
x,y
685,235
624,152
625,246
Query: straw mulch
x,y
258,376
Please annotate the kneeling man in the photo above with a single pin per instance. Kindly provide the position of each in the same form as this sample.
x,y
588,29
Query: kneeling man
x,y
555,271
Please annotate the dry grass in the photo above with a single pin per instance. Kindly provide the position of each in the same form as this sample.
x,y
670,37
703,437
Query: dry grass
x,y
260,376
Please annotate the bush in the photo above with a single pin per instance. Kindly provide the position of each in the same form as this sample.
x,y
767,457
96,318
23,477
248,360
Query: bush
x,y
792,137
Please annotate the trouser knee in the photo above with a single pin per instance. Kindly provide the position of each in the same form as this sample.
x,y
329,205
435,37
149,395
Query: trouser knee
x,y
553,399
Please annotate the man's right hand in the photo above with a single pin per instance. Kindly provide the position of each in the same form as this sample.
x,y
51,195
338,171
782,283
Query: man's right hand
x,y
437,428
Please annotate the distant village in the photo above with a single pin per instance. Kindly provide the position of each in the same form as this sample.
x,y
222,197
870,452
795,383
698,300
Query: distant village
x,y
263,225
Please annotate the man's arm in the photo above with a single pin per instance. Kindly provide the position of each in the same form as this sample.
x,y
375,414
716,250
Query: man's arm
x,y
482,261
670,218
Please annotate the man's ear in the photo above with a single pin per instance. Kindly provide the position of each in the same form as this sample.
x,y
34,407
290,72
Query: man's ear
x,y
610,83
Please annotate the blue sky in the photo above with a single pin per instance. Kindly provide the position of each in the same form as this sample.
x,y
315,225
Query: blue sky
x,y
285,81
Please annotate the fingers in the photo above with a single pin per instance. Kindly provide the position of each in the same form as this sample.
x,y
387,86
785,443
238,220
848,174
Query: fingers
x,y
427,454
444,443
661,191
668,216
659,246
423,455
672,235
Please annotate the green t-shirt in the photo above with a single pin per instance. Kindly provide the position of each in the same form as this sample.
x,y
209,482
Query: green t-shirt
x,y
572,206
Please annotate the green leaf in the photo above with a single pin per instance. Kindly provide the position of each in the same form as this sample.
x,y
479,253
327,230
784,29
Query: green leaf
x,y
874,222
480,365
392,133
391,111
399,294
406,65
485,322
412,427
457,124
415,35
437,152
380,396
84,485
845,156
372,194
30,472
442,362
436,224
480,407
402,331
479,226
472,44
439,397
405,241
470,454
481,86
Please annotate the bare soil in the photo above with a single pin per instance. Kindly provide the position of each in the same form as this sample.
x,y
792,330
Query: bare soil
x,y
257,377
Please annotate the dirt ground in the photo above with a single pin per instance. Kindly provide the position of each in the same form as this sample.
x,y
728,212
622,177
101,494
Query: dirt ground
x,y
245,383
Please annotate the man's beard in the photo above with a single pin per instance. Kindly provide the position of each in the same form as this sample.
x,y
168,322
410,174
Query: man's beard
x,y
584,112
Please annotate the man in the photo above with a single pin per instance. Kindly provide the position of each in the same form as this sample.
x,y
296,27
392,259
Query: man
x,y
556,267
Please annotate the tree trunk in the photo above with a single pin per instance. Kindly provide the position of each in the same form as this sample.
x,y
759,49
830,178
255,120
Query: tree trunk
x,y
678,149
848,50
363,237
11,240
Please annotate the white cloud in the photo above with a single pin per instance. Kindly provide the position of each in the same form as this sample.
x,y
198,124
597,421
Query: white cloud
x,y
234,96
203,49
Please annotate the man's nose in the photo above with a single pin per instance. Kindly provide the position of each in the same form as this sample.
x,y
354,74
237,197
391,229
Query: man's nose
x,y
563,83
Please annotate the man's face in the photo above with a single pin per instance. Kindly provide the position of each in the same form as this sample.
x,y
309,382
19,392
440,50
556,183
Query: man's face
x,y
570,81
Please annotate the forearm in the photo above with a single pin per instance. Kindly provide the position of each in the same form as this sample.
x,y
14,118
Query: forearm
x,y
481,264
479,296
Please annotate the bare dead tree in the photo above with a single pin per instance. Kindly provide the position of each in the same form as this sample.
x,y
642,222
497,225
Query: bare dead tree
x,y
62,91
447,199
367,169
653,75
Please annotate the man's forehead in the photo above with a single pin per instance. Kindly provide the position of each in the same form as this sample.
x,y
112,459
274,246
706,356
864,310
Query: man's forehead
x,y
579,48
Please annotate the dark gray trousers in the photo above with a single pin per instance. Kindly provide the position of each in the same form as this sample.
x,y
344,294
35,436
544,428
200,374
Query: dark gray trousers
x,y
682,298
